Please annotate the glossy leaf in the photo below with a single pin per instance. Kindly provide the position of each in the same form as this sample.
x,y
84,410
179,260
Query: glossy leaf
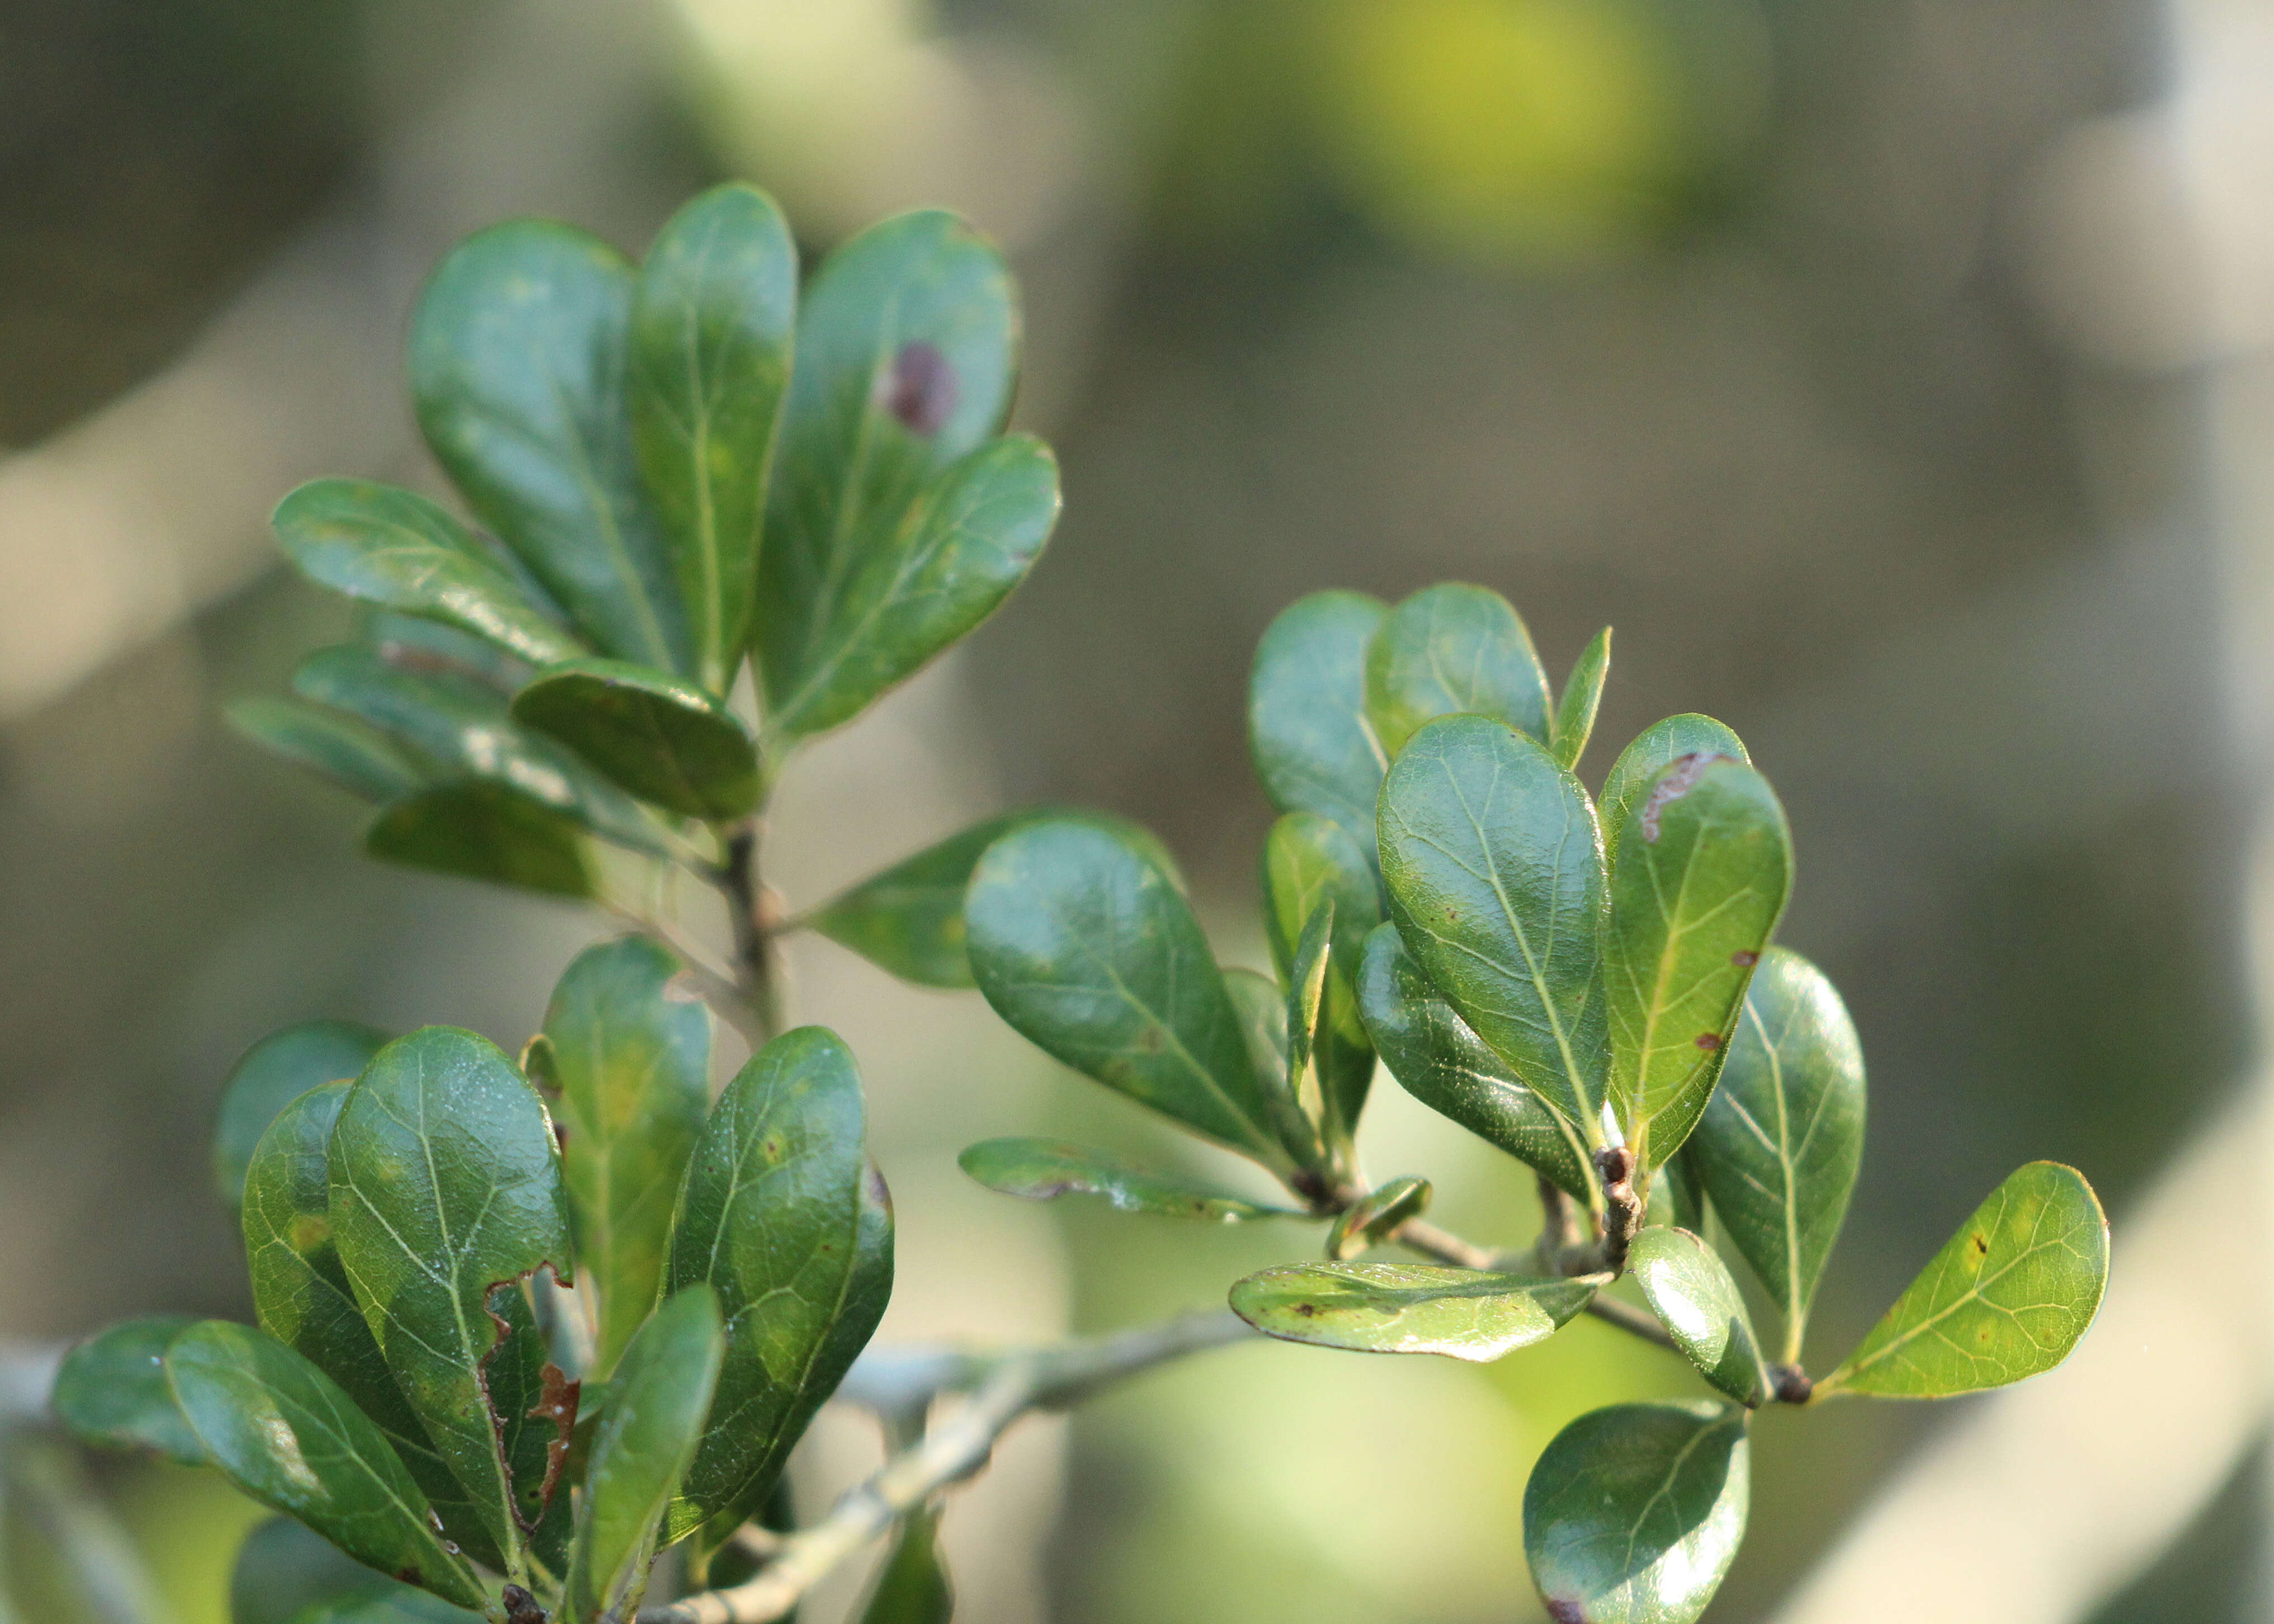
x,y
1699,884
1260,1004
445,1196
1307,991
1782,1138
273,1074
1583,693
286,1434
779,1215
657,1402
1634,1513
394,548
911,1587
630,1058
361,760
301,1297
907,353
1372,1219
666,741
517,370
1315,748
409,644
2008,1296
1451,649
1495,879
1654,749
1086,947
1408,1307
918,587
111,1390
1690,1291
1308,859
710,359
1437,1059
1044,1169
284,1570
485,831
1685,1193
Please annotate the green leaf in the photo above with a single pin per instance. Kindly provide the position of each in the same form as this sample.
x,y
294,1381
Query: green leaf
x,y
1685,1193
1260,1004
667,742
780,1216
286,1434
1698,886
1634,1512
446,1196
1044,1169
1314,750
1781,1140
631,1060
1582,692
1408,1307
361,760
710,361
301,1297
1375,1216
1306,990
284,1569
401,1605
1452,649
1434,1056
517,370
461,727
394,548
1496,877
1308,859
1654,749
111,1390
269,1076
409,644
485,831
1085,945
657,1402
2008,1296
918,588
911,1587
907,355
1690,1291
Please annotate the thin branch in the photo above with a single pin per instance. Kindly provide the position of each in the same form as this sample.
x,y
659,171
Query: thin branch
x,y
952,1450
749,905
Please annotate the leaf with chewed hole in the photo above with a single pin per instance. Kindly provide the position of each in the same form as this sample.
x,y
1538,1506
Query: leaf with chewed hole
x,y
665,740
111,1390
1044,1169
1690,1291
1496,877
1308,859
361,760
1307,731
2008,1296
1409,1307
273,1074
1634,1511
285,1433
1583,694
446,1196
485,831
1654,749
1699,884
1375,1217
1452,649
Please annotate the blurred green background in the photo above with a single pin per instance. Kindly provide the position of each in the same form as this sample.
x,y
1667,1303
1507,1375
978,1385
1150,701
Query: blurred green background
x,y
1836,354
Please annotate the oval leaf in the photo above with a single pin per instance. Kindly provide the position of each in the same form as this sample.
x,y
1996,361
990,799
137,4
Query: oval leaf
x,y
907,353
270,1075
1690,1291
2009,1296
1583,694
517,370
1495,879
779,1216
667,742
111,1390
647,1435
1375,1217
286,1434
710,327
361,760
1450,650
1408,1307
1044,1169
1700,882
1438,1060
1634,1512
1781,1140
1085,945
631,1060
394,548
1655,748
1314,750
1308,859
485,831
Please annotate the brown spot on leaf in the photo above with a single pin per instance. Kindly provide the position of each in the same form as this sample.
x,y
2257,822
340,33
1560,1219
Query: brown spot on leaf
x,y
1981,1245
1565,1611
409,1574
1677,781
1708,1041
1151,1041
921,392
1306,1309
520,1606
1744,960
556,1402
